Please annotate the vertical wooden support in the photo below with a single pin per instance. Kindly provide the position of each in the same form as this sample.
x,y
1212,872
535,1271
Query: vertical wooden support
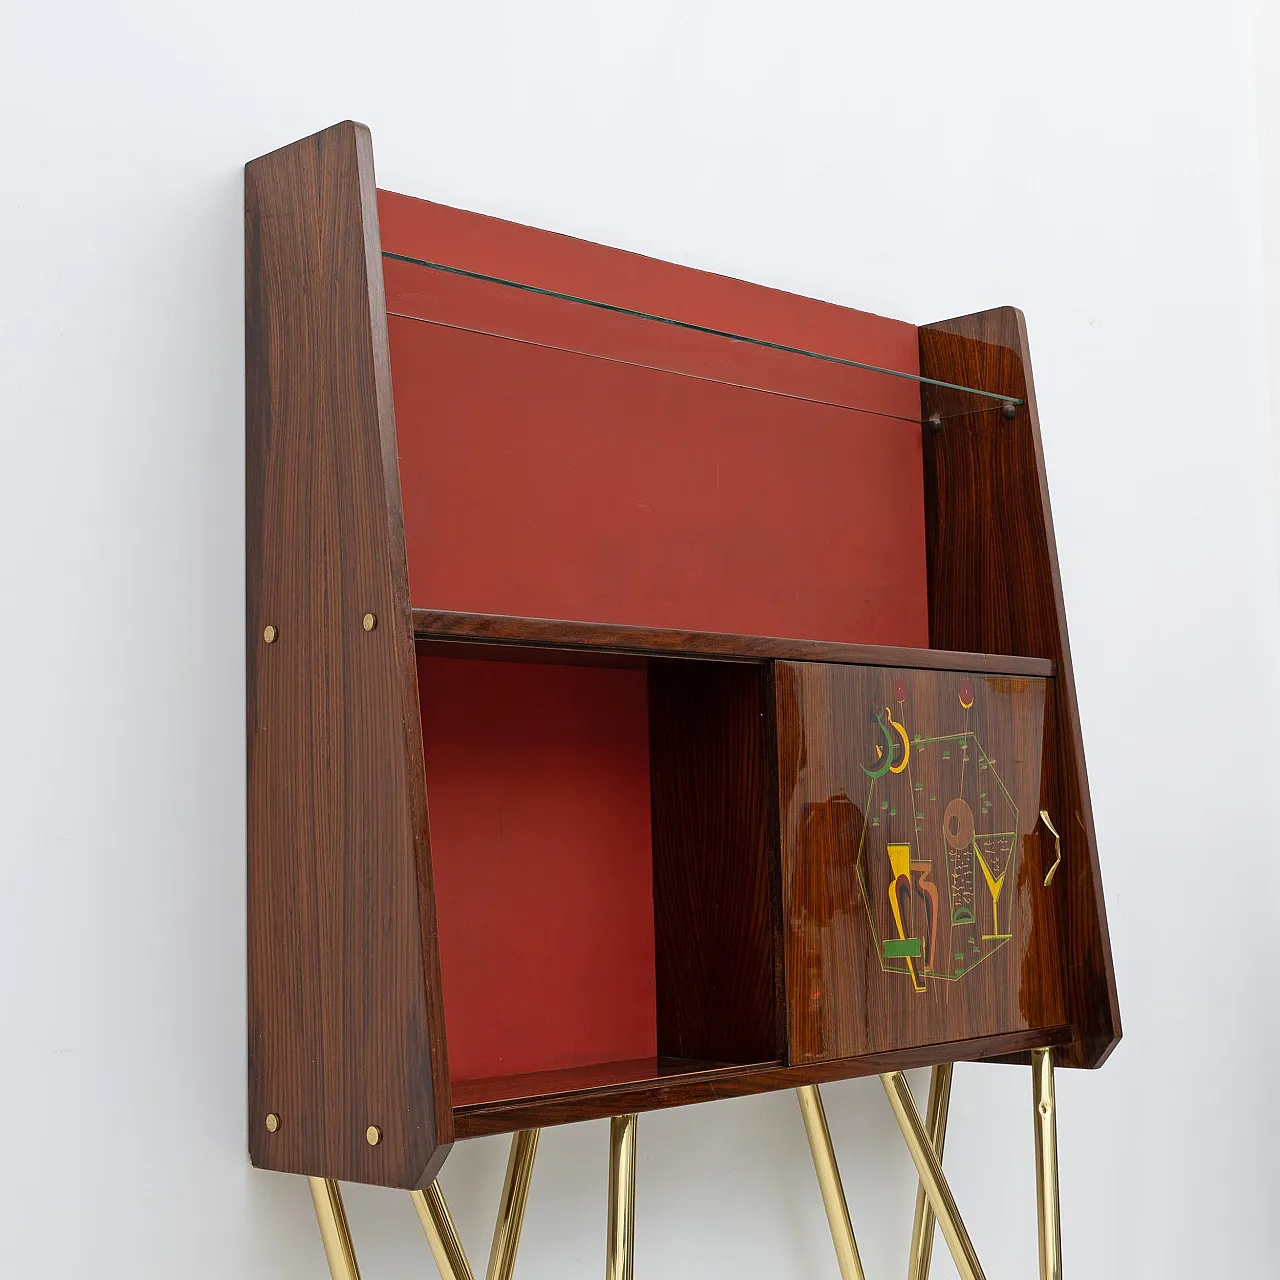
x,y
995,587
346,1030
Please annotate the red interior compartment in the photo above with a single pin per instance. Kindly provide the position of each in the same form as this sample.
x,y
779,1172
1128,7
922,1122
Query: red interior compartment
x,y
538,776
562,460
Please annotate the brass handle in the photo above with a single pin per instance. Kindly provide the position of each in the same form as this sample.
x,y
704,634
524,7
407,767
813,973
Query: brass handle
x,y
1057,844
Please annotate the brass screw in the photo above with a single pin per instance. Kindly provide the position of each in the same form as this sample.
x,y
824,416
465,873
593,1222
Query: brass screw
x,y
269,635
373,1135
273,1122
370,621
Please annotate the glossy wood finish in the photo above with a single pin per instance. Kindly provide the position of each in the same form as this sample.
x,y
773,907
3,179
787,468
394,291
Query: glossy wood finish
x,y
346,1022
439,625
994,584
345,1026
648,1085
715,903
911,884
468,1095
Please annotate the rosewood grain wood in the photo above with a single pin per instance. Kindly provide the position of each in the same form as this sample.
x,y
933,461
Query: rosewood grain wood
x,y
494,629
345,1026
596,1076
715,855
799,936
994,584
907,799
565,1098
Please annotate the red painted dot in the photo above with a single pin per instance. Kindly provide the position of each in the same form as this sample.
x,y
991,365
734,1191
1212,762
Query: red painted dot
x,y
899,691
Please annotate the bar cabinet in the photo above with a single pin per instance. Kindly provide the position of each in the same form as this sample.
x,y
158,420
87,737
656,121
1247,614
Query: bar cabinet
x,y
659,691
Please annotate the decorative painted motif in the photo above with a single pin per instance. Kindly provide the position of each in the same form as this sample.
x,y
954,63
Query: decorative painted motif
x,y
938,847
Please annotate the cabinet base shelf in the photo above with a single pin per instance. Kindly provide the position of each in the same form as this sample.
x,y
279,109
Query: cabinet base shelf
x,y
544,1098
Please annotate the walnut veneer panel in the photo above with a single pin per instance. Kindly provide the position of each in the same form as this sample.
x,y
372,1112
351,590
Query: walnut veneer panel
x,y
995,586
345,1025
912,887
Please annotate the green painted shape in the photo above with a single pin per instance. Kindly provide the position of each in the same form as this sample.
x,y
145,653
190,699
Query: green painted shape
x,y
897,948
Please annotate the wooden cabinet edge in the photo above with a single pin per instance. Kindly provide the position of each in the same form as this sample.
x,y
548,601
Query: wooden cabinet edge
x,y
998,338
331,838
732,1082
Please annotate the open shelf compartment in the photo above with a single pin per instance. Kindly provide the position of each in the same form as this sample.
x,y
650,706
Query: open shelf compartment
x,y
605,859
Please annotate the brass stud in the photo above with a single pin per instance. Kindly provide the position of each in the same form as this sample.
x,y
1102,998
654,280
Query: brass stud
x,y
370,621
269,635
373,1135
273,1122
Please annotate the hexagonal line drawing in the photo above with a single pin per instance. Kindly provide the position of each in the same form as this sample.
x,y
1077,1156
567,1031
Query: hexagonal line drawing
x,y
993,852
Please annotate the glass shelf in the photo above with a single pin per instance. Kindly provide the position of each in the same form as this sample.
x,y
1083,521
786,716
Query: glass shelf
x,y
536,316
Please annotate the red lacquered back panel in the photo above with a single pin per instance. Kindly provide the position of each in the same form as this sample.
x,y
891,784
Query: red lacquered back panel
x,y
558,460
538,777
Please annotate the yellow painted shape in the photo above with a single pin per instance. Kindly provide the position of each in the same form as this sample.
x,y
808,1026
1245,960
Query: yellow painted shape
x,y
994,886
900,864
906,742
900,859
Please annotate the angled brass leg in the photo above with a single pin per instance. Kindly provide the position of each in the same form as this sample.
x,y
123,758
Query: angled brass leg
x,y
1047,1164
515,1195
442,1235
621,1244
931,1175
824,1163
921,1256
334,1231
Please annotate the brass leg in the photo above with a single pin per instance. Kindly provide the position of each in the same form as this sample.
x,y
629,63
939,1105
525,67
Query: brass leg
x,y
931,1176
824,1163
621,1244
921,1255
334,1231
1047,1164
515,1195
442,1235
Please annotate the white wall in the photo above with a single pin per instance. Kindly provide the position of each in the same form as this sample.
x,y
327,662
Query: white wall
x,y
1267,79
1096,164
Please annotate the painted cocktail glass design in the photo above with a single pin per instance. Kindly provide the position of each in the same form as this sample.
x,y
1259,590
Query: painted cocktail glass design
x,y
939,843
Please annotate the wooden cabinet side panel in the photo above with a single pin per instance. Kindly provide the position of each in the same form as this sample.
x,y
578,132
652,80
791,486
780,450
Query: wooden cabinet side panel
x,y
345,1028
995,587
